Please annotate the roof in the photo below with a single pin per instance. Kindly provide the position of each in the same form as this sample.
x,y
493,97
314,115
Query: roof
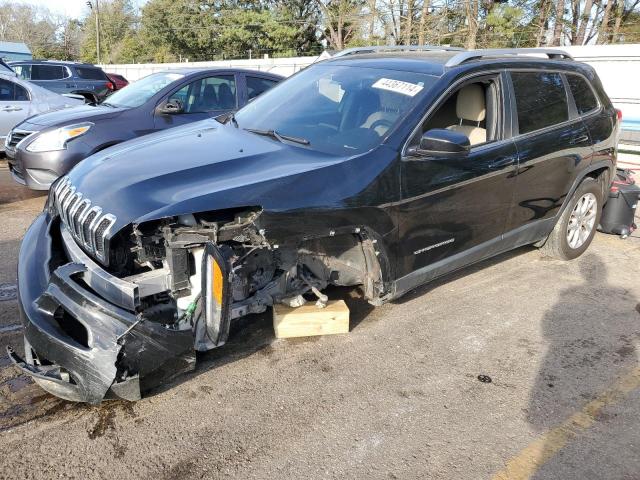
x,y
14,47
427,62
437,61
52,62
195,70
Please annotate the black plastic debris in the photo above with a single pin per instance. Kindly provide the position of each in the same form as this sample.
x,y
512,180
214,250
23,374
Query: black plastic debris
x,y
484,378
619,211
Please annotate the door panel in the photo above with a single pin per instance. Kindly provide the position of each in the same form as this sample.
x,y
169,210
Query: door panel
x,y
549,163
453,204
14,106
553,146
56,78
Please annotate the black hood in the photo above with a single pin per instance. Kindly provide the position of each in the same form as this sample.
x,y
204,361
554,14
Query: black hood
x,y
67,116
206,166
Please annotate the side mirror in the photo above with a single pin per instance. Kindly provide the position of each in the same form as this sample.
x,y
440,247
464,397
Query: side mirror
x,y
440,141
172,107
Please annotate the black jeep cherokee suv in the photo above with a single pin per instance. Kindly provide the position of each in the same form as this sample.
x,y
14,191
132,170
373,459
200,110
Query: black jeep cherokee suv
x,y
384,169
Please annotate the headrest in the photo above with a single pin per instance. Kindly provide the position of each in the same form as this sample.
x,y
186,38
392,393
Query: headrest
x,y
208,90
470,104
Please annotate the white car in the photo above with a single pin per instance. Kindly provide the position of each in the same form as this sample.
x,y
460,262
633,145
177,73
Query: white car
x,y
20,99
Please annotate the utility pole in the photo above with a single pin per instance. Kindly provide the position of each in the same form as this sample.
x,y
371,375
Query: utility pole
x,y
90,5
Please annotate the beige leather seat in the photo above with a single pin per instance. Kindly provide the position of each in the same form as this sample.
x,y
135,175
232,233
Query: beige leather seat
x,y
470,106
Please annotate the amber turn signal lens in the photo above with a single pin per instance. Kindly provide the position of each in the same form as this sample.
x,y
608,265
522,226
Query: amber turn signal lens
x,y
216,281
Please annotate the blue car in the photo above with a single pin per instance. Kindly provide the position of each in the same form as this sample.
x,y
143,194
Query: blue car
x,y
45,147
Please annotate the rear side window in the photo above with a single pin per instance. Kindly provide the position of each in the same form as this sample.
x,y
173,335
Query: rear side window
x,y
256,86
11,92
541,100
23,71
89,73
48,72
582,94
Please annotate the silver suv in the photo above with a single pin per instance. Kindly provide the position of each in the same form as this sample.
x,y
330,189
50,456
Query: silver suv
x,y
66,77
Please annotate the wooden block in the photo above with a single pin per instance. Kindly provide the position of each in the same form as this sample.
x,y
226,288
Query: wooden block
x,y
310,320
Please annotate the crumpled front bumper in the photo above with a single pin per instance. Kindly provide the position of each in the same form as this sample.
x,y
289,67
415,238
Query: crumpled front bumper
x,y
79,346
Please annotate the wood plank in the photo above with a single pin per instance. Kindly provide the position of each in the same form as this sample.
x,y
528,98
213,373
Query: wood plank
x,y
310,320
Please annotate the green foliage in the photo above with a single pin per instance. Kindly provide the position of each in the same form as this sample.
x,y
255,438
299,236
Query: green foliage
x,y
203,30
117,18
503,27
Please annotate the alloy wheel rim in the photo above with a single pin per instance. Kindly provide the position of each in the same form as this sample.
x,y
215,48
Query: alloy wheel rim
x,y
582,220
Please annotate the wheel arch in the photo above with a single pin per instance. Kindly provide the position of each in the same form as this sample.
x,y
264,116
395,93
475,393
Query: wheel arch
x,y
601,171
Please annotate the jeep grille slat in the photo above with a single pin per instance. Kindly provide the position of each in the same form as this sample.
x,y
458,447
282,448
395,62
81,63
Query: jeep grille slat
x,y
89,226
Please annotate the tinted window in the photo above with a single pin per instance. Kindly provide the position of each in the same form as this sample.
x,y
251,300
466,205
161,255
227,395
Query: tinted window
x,y
23,71
89,73
582,94
256,86
48,72
10,91
541,100
208,94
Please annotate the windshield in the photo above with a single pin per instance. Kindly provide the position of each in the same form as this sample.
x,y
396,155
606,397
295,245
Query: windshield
x,y
336,109
139,92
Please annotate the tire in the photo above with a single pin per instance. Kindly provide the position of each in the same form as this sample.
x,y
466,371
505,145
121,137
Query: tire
x,y
577,225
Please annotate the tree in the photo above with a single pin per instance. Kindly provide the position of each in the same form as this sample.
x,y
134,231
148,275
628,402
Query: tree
x,y
423,21
503,27
34,26
117,21
559,23
471,8
338,17
302,17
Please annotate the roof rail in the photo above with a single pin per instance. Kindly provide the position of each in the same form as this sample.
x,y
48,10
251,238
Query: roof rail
x,y
499,52
396,48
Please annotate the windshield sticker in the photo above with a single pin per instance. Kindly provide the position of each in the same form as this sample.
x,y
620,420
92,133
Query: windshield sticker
x,y
398,86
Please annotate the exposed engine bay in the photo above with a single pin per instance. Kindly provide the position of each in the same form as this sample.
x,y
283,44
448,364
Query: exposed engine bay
x,y
171,254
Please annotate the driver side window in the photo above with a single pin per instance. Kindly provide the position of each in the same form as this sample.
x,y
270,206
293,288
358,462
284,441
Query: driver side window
x,y
472,109
208,94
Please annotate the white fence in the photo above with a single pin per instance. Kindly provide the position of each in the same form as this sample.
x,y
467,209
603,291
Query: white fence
x,y
281,66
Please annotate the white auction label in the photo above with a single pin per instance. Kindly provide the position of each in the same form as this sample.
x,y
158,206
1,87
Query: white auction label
x,y
398,86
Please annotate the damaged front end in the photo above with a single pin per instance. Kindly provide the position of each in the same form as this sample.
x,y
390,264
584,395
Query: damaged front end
x,y
81,343
113,314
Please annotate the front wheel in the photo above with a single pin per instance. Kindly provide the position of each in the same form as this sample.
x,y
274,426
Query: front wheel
x,y
576,228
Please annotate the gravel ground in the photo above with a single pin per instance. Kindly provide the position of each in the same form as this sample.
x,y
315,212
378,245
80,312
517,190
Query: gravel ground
x,y
398,397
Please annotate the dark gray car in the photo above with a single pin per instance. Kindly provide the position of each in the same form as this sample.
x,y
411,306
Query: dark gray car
x,y
45,147
61,77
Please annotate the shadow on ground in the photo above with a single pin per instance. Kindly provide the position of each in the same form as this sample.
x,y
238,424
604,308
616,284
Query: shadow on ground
x,y
590,346
11,191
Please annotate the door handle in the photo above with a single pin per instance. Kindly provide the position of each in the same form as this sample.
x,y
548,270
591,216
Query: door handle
x,y
580,139
12,109
501,163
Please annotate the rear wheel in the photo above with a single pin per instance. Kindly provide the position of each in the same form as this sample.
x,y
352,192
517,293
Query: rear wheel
x,y
576,228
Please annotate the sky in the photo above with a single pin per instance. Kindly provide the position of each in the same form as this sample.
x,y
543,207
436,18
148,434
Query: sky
x,y
70,8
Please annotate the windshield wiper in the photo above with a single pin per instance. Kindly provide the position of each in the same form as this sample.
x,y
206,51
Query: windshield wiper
x,y
279,136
